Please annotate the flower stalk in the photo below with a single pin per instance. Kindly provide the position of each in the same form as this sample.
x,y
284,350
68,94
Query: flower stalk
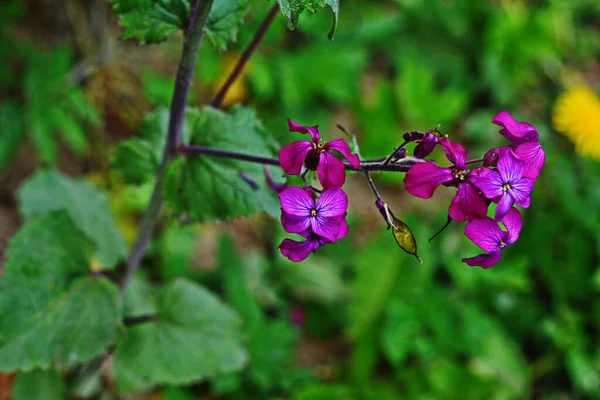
x,y
185,71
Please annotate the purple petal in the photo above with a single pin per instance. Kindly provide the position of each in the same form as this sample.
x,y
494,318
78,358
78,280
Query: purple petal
x,y
327,227
468,204
520,191
331,171
343,229
515,131
312,130
484,260
485,233
455,153
294,223
292,156
341,146
422,179
296,201
504,205
533,156
333,202
512,221
510,167
489,182
277,187
297,251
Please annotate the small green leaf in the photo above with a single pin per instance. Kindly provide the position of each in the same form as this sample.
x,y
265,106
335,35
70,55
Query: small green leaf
x,y
207,187
87,205
195,337
39,384
49,314
224,21
293,8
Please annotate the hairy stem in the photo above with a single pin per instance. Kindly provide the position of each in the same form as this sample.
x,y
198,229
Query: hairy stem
x,y
365,165
185,71
239,66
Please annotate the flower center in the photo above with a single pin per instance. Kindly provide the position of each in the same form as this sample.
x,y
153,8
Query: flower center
x,y
506,186
460,175
501,244
313,212
319,145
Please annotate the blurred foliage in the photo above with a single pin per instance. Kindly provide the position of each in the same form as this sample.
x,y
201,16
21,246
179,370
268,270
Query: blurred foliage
x,y
375,323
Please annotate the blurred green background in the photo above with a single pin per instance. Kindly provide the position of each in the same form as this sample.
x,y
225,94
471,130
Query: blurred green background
x,y
360,319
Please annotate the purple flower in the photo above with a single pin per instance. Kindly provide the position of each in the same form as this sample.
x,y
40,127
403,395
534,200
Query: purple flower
x,y
505,186
324,217
525,142
486,234
316,155
297,251
423,178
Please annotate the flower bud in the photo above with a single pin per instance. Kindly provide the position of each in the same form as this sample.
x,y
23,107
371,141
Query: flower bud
x,y
490,159
426,145
413,136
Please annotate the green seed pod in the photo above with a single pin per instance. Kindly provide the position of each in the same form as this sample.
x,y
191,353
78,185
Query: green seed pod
x,y
405,238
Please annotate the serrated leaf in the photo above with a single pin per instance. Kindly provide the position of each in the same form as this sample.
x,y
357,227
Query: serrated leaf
x,y
293,8
153,21
49,314
87,205
205,187
39,384
138,158
195,337
224,21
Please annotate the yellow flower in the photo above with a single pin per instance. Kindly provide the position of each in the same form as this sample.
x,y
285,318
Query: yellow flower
x,y
577,116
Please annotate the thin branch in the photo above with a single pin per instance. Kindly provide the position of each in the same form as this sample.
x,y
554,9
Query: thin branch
x,y
365,165
237,70
372,185
185,72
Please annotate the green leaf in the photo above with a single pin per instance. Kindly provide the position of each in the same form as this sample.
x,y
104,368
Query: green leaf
x,y
49,315
54,104
293,8
87,205
224,21
195,337
207,187
153,21
11,126
39,384
138,158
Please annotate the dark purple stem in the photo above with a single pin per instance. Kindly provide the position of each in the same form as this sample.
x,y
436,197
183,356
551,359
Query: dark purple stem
x,y
365,165
141,319
220,96
185,71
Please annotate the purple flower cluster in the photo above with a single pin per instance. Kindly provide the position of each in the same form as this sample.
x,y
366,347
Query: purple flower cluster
x,y
319,220
507,178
